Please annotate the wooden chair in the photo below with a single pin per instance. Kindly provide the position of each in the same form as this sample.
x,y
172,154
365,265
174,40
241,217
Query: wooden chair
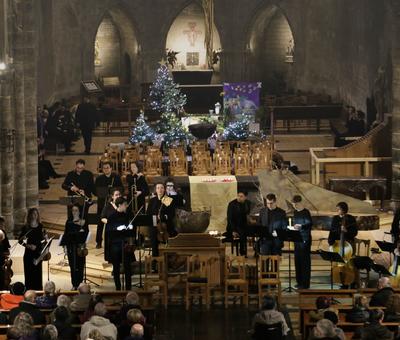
x,y
362,249
268,275
236,283
157,277
197,283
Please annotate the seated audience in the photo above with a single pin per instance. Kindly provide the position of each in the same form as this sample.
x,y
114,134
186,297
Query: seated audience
x,y
270,316
95,335
81,301
332,316
50,333
89,312
137,332
134,316
386,297
63,301
324,329
132,302
375,329
11,300
323,304
49,298
28,306
360,311
63,323
22,328
99,322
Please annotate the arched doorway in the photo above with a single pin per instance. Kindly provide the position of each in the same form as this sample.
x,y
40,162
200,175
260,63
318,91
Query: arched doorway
x,y
186,36
272,45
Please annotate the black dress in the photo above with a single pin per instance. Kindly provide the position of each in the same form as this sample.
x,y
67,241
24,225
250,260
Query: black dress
x,y
33,274
237,222
141,185
76,262
116,253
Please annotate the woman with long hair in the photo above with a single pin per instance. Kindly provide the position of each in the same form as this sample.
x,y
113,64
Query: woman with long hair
x,y
32,237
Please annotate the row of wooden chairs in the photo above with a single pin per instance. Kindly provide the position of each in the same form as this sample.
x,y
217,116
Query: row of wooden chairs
x,y
197,284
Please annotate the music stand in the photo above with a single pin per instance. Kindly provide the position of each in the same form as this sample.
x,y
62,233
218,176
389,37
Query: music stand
x,y
331,257
386,246
381,270
289,236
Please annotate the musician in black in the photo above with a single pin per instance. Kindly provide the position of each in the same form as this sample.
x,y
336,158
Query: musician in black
x,y
137,186
32,237
302,222
395,230
237,214
271,219
4,252
343,222
76,252
109,209
161,206
173,192
103,184
117,253
79,182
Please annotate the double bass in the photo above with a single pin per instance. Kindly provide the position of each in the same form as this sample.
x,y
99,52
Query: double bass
x,y
343,273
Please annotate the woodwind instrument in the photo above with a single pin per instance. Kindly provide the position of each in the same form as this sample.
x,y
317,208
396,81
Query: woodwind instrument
x,y
134,196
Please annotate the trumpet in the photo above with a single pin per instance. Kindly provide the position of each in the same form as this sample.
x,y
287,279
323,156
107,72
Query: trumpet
x,y
134,196
81,193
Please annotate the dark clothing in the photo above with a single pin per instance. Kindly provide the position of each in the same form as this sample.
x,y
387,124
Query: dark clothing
x,y
46,301
237,222
86,117
122,316
108,210
141,185
164,214
302,250
376,331
381,297
178,200
76,262
103,182
355,127
65,330
116,253
349,222
36,314
82,181
271,220
64,129
358,315
32,273
395,231
4,251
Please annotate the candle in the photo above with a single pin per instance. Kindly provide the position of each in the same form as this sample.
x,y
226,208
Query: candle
x,y
290,221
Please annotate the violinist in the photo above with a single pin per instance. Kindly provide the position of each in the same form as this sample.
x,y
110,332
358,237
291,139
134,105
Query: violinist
x,y
32,237
103,184
162,208
76,252
137,188
116,254
4,254
343,222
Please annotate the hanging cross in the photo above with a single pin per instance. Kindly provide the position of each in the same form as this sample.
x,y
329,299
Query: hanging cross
x,y
192,33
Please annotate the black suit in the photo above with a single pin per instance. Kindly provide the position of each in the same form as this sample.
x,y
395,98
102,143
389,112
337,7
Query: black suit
x,y
36,314
166,215
271,220
86,117
349,222
103,181
396,226
302,250
237,222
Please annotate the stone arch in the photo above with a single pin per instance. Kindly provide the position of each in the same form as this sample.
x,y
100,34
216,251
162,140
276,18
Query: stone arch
x,y
271,47
186,36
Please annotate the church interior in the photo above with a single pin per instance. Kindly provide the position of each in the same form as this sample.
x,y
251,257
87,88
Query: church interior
x,y
199,169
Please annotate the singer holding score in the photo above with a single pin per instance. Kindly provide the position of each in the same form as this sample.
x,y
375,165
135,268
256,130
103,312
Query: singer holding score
x,y
302,222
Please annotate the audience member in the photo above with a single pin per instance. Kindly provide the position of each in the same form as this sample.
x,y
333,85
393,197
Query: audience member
x,y
80,302
50,333
49,298
375,329
323,304
28,306
11,300
269,315
134,316
94,334
324,329
360,312
132,302
137,332
63,322
333,317
22,328
386,297
89,312
99,322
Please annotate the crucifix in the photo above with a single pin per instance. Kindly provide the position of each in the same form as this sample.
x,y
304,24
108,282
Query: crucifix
x,y
192,33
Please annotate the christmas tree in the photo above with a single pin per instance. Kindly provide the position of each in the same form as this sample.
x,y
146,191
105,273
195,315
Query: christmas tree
x,y
142,132
166,98
237,130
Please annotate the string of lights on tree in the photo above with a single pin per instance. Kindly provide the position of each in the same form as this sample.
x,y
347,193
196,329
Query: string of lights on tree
x,y
237,130
142,132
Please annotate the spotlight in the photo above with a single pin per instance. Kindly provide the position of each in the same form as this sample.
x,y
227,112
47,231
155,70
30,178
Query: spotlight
x,y
2,66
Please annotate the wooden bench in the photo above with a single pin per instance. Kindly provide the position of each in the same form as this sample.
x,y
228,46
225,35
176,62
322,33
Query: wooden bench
x,y
307,296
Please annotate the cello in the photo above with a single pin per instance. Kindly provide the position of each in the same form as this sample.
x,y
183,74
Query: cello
x,y
343,273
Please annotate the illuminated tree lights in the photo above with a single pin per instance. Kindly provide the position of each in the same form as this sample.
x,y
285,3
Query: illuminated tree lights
x,y
237,130
142,132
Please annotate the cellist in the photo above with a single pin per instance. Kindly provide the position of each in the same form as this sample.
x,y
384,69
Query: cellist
x,y
343,222
161,206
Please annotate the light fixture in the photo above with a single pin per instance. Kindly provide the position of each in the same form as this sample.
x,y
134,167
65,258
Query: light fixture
x,y
3,66
217,108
